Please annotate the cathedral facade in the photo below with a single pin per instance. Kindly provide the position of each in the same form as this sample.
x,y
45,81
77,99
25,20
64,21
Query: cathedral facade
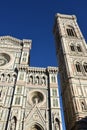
x,y
71,50
29,96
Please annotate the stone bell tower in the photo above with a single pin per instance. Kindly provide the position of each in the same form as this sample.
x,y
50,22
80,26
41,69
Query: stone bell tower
x,y
71,50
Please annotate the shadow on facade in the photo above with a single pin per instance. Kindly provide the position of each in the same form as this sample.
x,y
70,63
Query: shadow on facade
x,y
81,124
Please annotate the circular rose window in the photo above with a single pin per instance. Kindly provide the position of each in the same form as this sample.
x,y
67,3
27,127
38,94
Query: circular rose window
x,y
4,59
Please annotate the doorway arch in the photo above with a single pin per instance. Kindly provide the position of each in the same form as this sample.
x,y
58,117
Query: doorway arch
x,y
36,127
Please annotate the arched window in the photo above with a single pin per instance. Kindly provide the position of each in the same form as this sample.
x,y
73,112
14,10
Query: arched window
x,y
53,79
72,47
57,124
21,76
14,77
78,67
19,89
2,77
36,127
83,105
8,77
54,92
79,48
17,100
55,102
43,81
37,80
70,31
24,59
85,67
31,79
24,54
13,123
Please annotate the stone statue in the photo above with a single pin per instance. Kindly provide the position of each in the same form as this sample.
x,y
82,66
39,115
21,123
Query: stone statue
x,y
13,123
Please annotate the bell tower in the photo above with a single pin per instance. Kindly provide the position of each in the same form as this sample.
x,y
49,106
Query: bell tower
x,y
71,50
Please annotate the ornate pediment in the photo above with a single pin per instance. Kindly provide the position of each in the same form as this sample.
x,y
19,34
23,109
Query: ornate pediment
x,y
9,41
35,115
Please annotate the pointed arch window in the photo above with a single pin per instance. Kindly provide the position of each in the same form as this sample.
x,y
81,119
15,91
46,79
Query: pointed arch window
x,y
24,54
70,31
83,105
55,102
19,89
79,48
57,124
36,127
85,67
17,100
53,79
78,67
37,80
72,47
54,92
13,123
21,76
24,59
43,81
31,79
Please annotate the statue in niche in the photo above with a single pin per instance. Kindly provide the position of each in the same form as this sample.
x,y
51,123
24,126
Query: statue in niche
x,y
83,105
13,123
57,124
56,127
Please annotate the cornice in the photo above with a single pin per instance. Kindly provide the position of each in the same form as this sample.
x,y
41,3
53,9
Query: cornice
x,y
58,15
49,69
13,39
52,69
31,69
10,38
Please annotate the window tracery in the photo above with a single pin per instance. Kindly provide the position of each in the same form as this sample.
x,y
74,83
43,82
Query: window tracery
x,y
31,79
24,54
14,77
70,31
24,59
43,81
2,77
79,48
54,92
53,79
21,76
78,67
8,78
72,47
85,67
55,102
19,89
37,80
83,105
17,100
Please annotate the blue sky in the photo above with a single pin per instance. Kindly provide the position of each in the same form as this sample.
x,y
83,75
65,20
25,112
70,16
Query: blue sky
x,y
34,19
